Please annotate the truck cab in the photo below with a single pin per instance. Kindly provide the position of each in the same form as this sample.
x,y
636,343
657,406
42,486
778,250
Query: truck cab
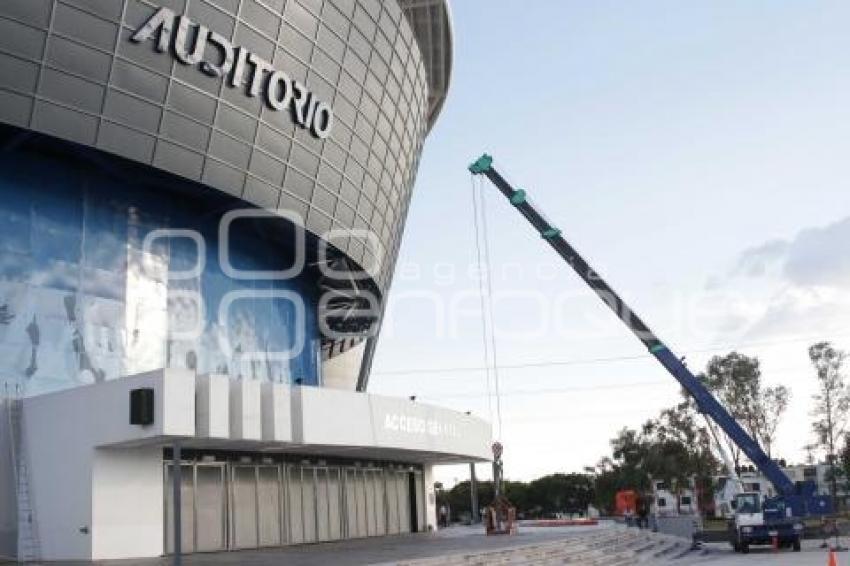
x,y
760,522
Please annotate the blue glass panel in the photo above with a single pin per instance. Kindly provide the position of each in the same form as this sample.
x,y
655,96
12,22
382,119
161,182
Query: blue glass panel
x,y
82,299
15,215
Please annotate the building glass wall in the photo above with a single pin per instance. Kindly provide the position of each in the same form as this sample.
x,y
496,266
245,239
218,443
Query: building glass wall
x,y
84,298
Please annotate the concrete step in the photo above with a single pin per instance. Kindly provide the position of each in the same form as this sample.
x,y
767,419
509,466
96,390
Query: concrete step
x,y
607,547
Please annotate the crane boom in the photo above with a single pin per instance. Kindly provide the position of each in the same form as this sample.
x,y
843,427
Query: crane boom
x,y
705,401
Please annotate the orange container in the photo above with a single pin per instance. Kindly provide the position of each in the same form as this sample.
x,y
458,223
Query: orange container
x,y
625,500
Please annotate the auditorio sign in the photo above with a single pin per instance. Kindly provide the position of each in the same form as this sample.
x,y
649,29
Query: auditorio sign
x,y
237,66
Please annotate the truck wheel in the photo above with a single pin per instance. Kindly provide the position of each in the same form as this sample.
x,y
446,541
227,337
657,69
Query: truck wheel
x,y
796,545
745,547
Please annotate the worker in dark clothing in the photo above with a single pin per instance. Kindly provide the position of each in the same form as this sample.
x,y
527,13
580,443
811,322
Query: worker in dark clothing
x,y
643,516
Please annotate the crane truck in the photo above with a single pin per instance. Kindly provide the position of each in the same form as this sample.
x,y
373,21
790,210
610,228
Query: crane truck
x,y
774,520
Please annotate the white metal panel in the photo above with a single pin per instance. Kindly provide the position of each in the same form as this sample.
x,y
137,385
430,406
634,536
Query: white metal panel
x,y
371,509
187,509
380,503
177,403
420,502
334,504
308,502
243,507
276,417
393,525
210,506
268,501
350,504
212,406
360,494
385,422
245,410
322,516
403,491
296,519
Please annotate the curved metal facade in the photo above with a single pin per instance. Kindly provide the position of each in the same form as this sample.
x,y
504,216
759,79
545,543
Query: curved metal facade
x,y
318,108
69,68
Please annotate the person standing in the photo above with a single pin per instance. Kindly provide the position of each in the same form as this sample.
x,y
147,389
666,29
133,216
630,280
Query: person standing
x,y
643,521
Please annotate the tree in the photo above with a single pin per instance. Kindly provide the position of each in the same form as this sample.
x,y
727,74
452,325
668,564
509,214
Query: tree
x,y
832,404
560,493
736,380
623,470
680,450
844,457
570,493
671,448
773,401
676,447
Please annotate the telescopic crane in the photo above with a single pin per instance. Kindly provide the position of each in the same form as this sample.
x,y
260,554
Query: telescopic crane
x,y
756,522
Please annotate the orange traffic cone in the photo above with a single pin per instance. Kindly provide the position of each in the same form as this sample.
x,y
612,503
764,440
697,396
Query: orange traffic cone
x,y
832,561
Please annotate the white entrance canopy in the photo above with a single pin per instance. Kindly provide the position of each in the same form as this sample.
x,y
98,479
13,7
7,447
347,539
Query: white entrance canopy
x,y
96,480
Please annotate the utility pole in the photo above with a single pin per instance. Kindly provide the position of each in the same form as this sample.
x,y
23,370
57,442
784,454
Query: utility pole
x,y
473,494
497,469
177,483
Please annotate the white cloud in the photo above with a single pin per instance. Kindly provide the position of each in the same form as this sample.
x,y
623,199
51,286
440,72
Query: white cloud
x,y
758,260
815,257
797,286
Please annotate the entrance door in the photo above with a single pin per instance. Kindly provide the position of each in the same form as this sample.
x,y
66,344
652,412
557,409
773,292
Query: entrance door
x,y
350,501
335,516
187,506
371,507
393,523
210,507
360,498
380,502
269,505
308,503
243,506
323,523
422,520
403,498
414,500
294,506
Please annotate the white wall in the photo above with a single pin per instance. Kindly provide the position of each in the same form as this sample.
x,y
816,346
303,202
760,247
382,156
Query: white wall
x,y
60,456
277,412
342,370
76,487
212,406
245,406
127,503
97,481
345,418
430,498
330,417
8,490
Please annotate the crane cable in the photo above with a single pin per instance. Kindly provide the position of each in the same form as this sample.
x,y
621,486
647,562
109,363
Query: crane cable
x,y
490,310
485,342
484,271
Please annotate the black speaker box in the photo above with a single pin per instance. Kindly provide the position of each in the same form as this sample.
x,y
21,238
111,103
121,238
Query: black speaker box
x,y
141,406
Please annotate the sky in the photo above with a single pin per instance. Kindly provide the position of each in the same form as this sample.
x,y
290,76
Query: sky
x,y
694,152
